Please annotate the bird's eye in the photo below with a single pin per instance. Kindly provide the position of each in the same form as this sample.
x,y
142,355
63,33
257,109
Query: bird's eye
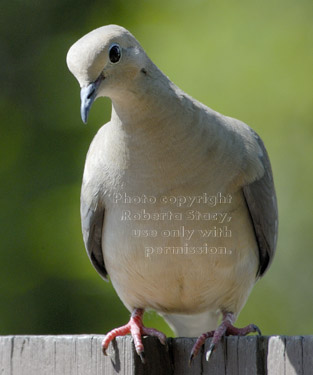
x,y
115,53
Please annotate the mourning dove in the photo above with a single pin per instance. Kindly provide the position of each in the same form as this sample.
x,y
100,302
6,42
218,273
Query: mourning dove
x,y
178,204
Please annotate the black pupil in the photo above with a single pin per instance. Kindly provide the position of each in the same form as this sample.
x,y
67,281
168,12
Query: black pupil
x,y
115,54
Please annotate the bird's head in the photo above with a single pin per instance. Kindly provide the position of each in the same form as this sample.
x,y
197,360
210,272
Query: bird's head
x,y
105,62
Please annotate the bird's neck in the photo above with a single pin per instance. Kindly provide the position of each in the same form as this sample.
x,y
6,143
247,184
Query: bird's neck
x,y
149,106
158,119
156,126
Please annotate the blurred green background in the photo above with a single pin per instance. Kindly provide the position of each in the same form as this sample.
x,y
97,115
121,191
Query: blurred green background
x,y
248,59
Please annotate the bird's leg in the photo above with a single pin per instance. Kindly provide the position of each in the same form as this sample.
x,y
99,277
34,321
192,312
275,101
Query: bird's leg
x,y
225,328
136,328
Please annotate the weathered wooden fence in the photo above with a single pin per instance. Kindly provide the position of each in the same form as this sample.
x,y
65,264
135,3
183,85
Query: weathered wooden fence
x,y
81,355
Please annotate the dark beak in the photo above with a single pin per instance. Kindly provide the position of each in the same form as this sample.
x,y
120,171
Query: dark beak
x,y
88,95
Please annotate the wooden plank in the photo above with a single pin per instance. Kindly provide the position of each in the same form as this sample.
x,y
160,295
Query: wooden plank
x,y
293,356
82,355
247,355
73,355
276,355
6,347
156,356
179,351
216,364
232,365
307,350
120,358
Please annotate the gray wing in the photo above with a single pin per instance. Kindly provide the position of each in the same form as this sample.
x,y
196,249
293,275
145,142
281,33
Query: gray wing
x,y
92,217
261,200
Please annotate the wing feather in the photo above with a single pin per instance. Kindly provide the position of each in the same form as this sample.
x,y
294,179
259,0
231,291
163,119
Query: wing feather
x,y
261,201
92,217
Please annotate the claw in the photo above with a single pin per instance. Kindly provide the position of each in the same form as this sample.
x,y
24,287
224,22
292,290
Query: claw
x,y
104,349
257,329
190,360
142,357
166,346
209,352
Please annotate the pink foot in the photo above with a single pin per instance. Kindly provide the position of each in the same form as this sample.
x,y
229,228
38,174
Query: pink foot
x,y
136,328
225,328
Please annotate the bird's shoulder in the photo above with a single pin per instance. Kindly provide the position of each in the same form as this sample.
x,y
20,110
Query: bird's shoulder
x,y
246,142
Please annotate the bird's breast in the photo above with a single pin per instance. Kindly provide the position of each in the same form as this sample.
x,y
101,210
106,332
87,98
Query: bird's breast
x,y
180,251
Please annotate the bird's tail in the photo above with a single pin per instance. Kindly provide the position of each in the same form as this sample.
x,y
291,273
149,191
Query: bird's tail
x,y
192,325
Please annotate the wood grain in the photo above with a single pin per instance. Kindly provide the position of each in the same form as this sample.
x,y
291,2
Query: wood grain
x,y
82,355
